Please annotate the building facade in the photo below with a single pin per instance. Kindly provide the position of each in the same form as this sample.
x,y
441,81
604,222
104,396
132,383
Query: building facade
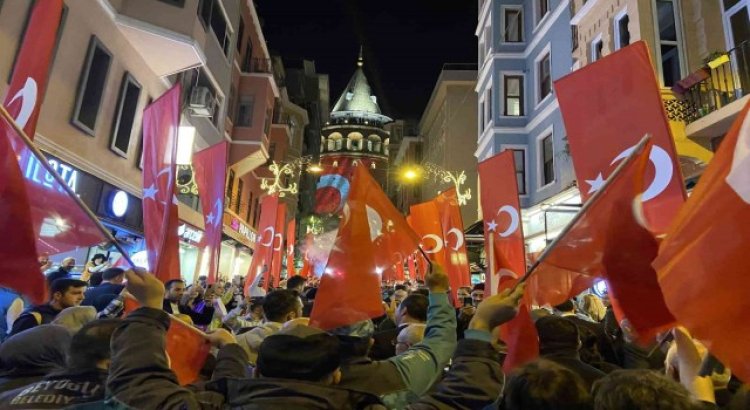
x,y
447,129
525,45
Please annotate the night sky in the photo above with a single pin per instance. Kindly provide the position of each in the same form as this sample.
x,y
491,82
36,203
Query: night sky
x,y
405,43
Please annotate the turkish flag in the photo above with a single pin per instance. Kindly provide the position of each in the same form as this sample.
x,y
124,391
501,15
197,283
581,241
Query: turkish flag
x,y
502,220
186,346
210,170
703,263
372,237
608,106
161,121
278,244
291,239
620,249
29,81
457,260
263,254
424,219
333,187
505,252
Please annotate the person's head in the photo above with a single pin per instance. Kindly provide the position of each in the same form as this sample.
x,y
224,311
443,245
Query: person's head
x,y
98,259
409,336
89,347
545,385
174,289
202,279
43,259
401,287
114,275
296,283
477,294
96,278
256,308
593,306
282,305
413,309
399,295
300,353
557,334
68,263
566,307
74,318
66,293
356,339
639,389
463,292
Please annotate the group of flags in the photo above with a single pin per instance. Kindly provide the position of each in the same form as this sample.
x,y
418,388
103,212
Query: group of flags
x,y
667,259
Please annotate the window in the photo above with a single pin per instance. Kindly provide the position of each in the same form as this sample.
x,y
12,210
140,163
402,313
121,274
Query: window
x,y
230,181
256,212
238,202
513,24
240,33
574,37
481,53
487,40
545,77
669,42
542,8
127,106
547,160
269,117
139,158
249,207
211,15
519,158
248,59
622,34
231,105
481,116
488,105
597,46
93,80
513,95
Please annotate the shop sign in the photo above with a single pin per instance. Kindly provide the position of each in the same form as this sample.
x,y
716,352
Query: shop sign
x,y
190,234
244,230
39,175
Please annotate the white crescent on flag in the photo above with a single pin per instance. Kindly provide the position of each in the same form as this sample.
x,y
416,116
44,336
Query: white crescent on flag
x,y
27,95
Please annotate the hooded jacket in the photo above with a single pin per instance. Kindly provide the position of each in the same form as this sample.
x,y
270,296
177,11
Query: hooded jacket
x,y
251,340
58,390
30,355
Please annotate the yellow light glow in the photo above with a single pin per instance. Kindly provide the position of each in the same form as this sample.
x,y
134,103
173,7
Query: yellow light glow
x,y
410,174
314,168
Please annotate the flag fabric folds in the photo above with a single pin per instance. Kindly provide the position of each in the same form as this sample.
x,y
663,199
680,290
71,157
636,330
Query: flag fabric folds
x,y
603,130
278,244
619,249
161,121
291,235
263,256
333,187
702,264
210,169
372,237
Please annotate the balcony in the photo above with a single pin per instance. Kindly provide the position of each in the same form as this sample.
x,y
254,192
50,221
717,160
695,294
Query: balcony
x,y
354,143
715,94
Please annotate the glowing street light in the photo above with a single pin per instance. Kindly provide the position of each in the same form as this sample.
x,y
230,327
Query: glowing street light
x,y
314,168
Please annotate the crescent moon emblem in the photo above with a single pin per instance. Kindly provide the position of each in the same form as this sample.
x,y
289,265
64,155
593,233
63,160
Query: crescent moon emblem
x,y
27,94
438,243
459,238
514,220
337,182
281,240
270,240
664,170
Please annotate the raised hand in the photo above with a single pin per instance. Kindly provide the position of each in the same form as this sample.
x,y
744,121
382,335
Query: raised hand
x,y
145,287
497,309
437,281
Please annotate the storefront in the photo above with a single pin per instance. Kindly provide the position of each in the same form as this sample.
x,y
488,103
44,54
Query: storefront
x,y
543,222
237,247
190,252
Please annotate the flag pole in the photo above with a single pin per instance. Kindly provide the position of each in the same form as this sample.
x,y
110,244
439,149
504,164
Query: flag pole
x,y
491,266
43,160
637,149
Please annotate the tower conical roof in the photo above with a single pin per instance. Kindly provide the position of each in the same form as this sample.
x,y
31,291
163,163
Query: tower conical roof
x,y
357,100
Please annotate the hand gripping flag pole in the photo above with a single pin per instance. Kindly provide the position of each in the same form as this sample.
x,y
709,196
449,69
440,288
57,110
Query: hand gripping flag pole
x,y
43,161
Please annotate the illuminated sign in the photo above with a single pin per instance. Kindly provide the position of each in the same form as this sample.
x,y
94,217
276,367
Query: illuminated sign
x,y
38,174
189,234
118,204
244,230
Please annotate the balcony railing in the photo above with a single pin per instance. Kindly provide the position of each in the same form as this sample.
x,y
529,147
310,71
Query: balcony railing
x,y
721,82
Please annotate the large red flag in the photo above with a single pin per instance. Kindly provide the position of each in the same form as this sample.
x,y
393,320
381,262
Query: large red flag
x,y
608,106
457,260
263,255
278,244
620,249
502,220
210,167
291,239
505,252
703,263
29,81
424,219
333,187
372,237
161,121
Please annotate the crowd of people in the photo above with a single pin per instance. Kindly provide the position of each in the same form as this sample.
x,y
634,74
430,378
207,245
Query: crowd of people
x,y
428,351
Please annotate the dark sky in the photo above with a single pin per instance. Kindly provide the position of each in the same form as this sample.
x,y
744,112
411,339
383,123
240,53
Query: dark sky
x,y
405,42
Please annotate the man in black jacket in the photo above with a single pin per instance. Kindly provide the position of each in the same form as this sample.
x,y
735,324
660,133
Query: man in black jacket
x,y
65,293
84,379
100,296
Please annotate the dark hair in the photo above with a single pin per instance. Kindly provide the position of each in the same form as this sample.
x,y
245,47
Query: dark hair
x,y
310,358
567,306
295,282
112,273
91,344
545,385
279,303
169,283
421,291
98,256
415,306
96,279
401,287
63,284
478,286
556,333
639,389
352,347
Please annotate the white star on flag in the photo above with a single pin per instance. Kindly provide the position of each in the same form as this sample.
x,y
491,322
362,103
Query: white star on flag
x,y
596,183
150,192
492,226
210,219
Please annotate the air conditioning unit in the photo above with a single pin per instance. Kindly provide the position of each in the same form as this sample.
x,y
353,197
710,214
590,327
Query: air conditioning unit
x,y
201,102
